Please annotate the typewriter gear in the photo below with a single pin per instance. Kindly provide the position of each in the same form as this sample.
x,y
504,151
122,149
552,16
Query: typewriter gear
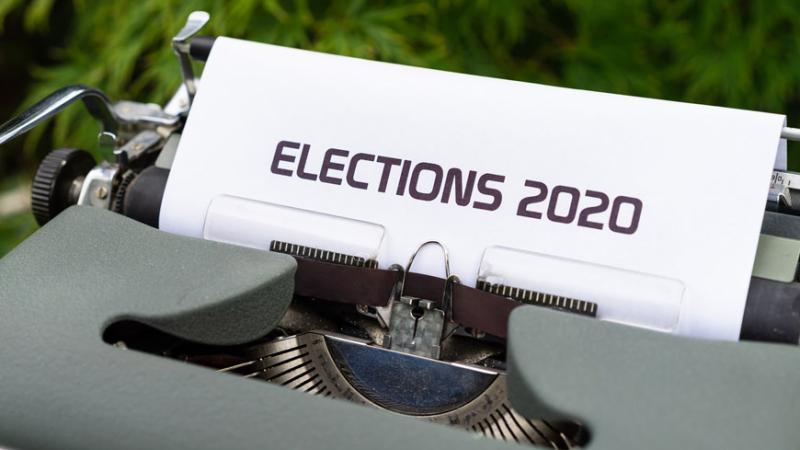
x,y
122,189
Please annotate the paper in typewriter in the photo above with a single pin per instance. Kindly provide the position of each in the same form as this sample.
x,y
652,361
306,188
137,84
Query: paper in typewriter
x,y
649,208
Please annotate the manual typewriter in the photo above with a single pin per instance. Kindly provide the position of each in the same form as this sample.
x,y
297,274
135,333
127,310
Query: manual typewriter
x,y
116,335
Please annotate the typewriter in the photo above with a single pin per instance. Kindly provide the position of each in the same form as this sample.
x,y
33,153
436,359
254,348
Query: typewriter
x,y
119,335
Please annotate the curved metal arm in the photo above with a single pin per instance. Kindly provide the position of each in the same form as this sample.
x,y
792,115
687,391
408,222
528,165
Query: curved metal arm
x,y
180,43
447,296
96,103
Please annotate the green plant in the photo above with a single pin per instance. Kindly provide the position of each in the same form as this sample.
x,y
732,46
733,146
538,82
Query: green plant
x,y
738,54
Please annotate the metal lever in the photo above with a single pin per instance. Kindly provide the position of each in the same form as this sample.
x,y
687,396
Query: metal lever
x,y
96,103
180,43
783,183
416,325
790,134
447,296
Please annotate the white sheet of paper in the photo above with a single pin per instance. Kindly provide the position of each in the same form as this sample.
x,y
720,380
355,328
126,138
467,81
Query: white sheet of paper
x,y
700,173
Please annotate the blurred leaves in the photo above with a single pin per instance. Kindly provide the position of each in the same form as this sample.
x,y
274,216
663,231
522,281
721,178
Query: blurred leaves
x,y
718,52
729,53
16,222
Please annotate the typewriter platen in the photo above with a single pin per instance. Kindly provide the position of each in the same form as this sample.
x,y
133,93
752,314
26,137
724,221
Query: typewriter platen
x,y
386,338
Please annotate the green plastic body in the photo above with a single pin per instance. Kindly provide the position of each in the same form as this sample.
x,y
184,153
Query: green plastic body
x,y
62,387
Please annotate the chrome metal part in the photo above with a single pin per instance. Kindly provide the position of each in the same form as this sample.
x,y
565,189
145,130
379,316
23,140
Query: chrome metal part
x,y
98,185
95,101
348,369
791,134
178,105
781,197
143,142
416,252
782,184
107,142
380,313
447,295
416,327
180,43
789,179
149,114
125,115
167,154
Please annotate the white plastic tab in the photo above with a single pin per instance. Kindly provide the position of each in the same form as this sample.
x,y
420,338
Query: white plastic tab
x,y
255,224
622,296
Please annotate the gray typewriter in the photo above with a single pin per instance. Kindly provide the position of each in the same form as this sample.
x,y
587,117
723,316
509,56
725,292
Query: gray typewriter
x,y
119,335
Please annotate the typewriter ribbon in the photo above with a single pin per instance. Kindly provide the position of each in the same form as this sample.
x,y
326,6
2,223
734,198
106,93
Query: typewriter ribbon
x,y
471,307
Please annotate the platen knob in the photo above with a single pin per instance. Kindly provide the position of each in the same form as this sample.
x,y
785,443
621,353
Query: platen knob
x,y
58,182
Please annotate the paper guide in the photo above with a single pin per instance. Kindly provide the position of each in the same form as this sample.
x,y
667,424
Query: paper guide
x,y
592,194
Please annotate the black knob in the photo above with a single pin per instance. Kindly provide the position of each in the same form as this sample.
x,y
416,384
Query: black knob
x,y
58,182
200,47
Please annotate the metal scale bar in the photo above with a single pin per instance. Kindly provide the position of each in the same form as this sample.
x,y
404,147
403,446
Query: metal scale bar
x,y
785,185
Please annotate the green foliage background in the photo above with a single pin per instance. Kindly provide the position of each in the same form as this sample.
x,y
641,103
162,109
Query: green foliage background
x,y
741,54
